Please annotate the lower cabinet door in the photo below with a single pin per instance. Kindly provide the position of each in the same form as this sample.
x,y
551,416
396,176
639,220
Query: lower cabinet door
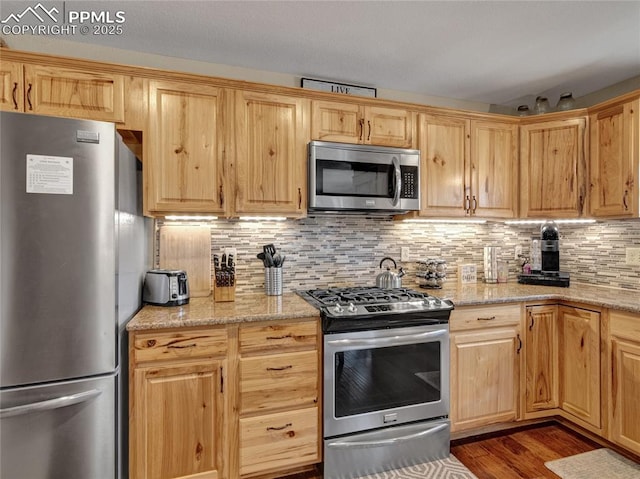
x,y
279,441
484,379
579,346
625,392
177,427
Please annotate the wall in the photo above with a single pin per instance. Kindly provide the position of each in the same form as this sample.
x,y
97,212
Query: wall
x,y
58,47
328,251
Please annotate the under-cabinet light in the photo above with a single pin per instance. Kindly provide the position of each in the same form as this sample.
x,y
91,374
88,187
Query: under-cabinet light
x,y
262,218
190,218
539,222
430,220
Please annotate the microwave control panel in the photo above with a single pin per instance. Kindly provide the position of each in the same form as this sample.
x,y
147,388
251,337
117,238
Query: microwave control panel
x,y
410,182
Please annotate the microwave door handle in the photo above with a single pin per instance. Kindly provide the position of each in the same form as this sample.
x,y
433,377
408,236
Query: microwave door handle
x,y
398,182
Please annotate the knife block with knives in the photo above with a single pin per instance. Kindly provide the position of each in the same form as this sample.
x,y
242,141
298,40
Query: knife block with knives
x,y
224,280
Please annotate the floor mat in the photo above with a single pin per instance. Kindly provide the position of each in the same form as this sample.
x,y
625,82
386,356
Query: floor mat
x,y
449,468
598,464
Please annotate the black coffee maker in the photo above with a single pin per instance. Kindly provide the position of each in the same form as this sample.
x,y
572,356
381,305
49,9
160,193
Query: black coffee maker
x,y
550,247
550,274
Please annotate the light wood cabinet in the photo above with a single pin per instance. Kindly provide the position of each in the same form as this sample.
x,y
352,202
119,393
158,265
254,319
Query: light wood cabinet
x,y
177,418
185,169
493,171
624,386
553,169
541,358
180,419
444,154
354,123
579,364
272,133
615,169
279,385
469,167
57,91
485,365
12,86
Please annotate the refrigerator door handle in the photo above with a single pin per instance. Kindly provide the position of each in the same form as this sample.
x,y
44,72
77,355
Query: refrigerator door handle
x,y
56,403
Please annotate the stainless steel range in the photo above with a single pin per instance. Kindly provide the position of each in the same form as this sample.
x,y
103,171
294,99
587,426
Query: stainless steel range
x,y
386,378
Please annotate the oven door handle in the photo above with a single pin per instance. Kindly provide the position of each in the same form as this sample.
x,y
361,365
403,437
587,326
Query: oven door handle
x,y
390,340
398,181
388,442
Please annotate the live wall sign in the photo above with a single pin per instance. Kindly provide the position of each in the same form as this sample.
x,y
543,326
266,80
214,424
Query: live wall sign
x,y
334,87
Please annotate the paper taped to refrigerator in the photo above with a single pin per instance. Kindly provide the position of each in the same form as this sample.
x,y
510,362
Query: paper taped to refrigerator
x,y
51,175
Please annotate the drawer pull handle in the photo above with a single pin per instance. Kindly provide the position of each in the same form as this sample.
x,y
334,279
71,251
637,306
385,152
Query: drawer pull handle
x,y
282,368
279,428
486,319
280,337
180,346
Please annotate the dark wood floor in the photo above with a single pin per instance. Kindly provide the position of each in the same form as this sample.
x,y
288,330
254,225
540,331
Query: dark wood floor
x,y
520,454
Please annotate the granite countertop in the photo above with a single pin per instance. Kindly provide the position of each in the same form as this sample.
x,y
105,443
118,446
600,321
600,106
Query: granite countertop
x,y
259,307
206,312
482,293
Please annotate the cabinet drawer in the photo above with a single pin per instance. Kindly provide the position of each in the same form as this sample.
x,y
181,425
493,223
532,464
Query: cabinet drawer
x,y
484,317
278,381
276,337
624,325
156,346
279,441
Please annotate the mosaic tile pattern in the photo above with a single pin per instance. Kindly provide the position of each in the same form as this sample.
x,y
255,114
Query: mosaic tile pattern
x,y
325,251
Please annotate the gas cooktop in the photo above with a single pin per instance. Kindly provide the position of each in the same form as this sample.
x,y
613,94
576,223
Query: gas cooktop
x,y
363,307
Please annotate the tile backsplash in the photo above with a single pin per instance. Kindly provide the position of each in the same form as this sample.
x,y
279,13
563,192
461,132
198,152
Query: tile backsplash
x,y
325,251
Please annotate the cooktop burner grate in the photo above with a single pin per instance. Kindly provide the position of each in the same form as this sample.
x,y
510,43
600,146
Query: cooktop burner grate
x,y
361,308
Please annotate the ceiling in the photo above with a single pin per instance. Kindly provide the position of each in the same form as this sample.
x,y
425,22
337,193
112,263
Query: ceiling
x,y
502,53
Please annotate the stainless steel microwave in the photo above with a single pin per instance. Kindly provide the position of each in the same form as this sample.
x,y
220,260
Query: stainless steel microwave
x,y
363,178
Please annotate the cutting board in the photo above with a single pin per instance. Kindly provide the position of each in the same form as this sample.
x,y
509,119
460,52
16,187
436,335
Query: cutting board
x,y
188,248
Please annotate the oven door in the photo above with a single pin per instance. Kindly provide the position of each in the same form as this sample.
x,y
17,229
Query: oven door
x,y
379,378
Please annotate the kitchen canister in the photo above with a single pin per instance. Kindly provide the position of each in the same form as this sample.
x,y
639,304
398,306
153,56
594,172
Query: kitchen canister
x,y
273,281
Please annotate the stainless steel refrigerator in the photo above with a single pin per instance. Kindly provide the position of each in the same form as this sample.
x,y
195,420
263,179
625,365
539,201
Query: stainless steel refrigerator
x,y
74,249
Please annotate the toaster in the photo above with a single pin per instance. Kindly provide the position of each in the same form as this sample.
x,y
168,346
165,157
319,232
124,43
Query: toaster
x,y
166,287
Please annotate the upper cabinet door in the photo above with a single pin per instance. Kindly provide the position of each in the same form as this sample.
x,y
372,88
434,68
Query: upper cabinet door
x,y
389,127
444,154
553,169
11,86
74,93
350,122
494,169
272,133
614,161
185,165
336,121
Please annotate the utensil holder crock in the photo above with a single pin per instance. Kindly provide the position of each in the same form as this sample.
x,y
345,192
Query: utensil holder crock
x,y
273,281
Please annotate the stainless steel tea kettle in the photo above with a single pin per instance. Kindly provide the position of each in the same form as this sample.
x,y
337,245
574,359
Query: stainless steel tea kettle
x,y
388,279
